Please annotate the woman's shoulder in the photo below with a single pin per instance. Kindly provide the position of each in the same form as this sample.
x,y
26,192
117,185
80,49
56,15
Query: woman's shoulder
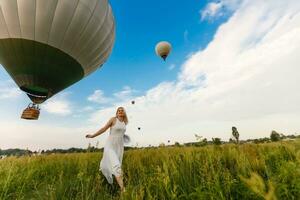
x,y
113,119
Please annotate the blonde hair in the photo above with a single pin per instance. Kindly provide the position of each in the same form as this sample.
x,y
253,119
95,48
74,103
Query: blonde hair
x,y
125,118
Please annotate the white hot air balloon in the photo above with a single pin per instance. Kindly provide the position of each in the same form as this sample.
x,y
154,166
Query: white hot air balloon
x,y
48,45
163,49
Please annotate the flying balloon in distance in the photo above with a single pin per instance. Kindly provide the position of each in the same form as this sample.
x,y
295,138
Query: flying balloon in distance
x,y
132,102
163,49
48,45
139,128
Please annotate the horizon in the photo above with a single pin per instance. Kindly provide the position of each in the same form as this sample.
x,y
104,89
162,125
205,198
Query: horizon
x,y
187,144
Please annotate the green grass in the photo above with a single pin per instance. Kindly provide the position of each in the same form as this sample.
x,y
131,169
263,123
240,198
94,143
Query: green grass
x,y
249,171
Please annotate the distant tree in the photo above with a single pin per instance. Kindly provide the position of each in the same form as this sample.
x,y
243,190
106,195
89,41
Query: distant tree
x,y
256,141
282,136
231,140
274,136
177,144
201,141
204,142
261,140
198,137
216,141
292,136
235,134
89,147
26,152
162,144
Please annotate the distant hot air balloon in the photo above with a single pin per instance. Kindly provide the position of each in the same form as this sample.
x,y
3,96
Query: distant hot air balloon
x,y
163,49
132,102
48,45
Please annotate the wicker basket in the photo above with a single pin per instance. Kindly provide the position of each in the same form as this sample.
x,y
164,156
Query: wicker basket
x,y
31,113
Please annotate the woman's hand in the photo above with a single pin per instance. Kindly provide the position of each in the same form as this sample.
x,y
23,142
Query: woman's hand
x,y
89,136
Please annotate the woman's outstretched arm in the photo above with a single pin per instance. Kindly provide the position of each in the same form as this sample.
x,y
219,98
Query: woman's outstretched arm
x,y
102,130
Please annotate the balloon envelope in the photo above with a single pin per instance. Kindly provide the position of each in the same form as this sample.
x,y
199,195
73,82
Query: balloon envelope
x,y
48,45
163,49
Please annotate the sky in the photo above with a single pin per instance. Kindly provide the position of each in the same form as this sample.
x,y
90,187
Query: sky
x,y
233,63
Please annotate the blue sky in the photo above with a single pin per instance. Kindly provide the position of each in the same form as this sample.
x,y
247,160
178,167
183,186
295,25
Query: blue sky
x,y
133,61
226,69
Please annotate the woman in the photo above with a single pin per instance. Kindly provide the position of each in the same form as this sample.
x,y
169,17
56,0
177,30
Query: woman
x,y
114,148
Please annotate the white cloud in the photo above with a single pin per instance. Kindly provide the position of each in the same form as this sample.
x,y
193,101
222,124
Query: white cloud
x,y
87,108
248,76
212,10
36,135
9,90
126,94
172,66
98,97
59,105
218,8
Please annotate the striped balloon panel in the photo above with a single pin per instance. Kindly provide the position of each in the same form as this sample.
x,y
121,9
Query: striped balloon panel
x,y
48,45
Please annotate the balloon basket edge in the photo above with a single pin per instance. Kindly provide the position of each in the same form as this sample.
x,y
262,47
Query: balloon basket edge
x,y
32,112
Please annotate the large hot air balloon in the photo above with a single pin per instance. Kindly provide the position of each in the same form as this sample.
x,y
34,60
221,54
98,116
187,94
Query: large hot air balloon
x,y
48,45
163,49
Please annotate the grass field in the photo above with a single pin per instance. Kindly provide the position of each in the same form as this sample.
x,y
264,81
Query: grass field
x,y
248,171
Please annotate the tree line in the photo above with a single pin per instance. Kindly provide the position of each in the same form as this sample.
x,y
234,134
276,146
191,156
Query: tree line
x,y
274,136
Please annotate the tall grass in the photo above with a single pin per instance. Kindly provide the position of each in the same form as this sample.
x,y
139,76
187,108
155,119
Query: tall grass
x,y
249,171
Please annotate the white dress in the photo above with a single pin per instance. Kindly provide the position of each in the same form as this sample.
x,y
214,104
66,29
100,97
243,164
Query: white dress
x,y
113,151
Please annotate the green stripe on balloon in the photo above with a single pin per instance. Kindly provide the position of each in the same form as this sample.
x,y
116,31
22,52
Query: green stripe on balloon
x,y
37,68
